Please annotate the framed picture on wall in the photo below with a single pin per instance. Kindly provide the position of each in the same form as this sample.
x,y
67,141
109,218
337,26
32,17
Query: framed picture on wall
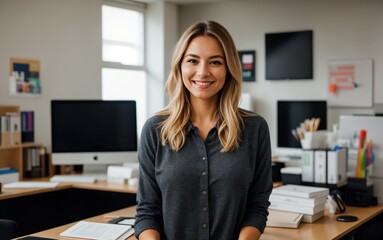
x,y
24,77
247,59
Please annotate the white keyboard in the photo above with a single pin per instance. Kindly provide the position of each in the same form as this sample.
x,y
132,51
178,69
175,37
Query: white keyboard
x,y
31,185
73,179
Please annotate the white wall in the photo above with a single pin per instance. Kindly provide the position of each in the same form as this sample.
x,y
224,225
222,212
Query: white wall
x,y
161,32
344,29
66,37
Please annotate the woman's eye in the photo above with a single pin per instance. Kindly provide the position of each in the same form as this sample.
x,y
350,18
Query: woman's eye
x,y
216,63
191,61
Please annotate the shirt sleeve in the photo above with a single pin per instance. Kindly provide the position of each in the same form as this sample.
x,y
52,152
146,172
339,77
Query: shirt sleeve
x,y
260,189
149,210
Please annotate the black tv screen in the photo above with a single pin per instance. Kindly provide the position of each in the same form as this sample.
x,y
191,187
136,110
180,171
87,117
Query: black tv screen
x,y
289,55
291,113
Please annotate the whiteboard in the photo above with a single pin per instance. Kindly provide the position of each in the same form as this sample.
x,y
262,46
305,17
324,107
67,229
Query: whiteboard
x,y
350,83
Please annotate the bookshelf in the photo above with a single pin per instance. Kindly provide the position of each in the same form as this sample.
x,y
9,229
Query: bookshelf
x,y
13,154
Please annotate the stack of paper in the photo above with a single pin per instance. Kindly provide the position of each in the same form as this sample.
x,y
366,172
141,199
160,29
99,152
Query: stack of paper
x,y
120,174
310,201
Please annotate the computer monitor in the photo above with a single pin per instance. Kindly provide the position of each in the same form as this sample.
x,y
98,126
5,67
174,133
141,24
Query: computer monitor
x,y
290,113
93,133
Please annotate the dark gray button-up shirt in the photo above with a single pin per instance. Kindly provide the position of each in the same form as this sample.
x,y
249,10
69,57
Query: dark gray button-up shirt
x,y
200,192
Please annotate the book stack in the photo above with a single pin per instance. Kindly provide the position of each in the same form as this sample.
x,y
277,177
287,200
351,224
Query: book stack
x,y
8,175
310,201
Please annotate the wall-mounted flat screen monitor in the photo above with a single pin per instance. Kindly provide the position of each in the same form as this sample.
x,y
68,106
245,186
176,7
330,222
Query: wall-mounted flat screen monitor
x,y
290,113
289,55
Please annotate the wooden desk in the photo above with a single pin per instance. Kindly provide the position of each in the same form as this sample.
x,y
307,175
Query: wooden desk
x,y
38,209
99,185
105,186
55,232
22,192
323,229
326,227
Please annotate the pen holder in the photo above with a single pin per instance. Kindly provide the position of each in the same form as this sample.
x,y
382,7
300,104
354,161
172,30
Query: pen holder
x,y
360,192
314,140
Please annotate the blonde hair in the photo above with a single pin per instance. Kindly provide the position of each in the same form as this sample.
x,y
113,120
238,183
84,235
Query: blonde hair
x,y
178,112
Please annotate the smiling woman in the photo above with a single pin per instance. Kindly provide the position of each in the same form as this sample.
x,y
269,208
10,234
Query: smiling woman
x,y
205,163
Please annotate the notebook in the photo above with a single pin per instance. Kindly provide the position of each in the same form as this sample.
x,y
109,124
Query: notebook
x,y
278,218
94,230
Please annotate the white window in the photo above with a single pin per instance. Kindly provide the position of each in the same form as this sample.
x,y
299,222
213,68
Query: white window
x,y
123,63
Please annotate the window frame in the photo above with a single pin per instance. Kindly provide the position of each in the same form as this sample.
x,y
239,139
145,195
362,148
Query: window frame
x,y
134,6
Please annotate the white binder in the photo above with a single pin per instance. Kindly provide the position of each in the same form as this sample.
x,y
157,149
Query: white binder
x,y
337,167
320,175
308,166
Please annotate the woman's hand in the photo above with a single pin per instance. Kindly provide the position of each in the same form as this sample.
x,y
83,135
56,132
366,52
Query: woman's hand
x,y
149,234
249,233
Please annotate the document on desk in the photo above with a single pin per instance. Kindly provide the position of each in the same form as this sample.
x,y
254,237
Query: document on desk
x,y
101,231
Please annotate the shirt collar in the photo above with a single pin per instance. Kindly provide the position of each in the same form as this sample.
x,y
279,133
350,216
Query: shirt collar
x,y
190,126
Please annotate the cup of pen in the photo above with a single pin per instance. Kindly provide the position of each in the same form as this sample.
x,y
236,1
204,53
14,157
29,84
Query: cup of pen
x,y
309,135
314,140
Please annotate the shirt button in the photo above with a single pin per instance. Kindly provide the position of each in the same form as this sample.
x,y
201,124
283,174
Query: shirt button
x,y
204,225
203,173
204,158
204,209
204,192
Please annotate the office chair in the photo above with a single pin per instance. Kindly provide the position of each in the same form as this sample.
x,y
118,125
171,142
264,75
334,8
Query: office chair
x,y
8,229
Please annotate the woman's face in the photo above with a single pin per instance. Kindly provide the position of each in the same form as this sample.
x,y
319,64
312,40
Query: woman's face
x,y
204,68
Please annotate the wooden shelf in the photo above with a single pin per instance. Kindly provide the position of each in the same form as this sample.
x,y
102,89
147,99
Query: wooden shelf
x,y
23,145
12,155
31,145
10,147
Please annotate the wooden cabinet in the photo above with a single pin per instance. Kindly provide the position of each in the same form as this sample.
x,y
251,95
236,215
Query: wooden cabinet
x,y
13,155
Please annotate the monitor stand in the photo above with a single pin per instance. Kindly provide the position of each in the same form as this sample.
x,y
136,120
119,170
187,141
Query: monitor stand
x,y
99,171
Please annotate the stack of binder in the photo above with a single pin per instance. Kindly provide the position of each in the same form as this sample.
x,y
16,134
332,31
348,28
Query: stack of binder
x,y
27,126
324,168
10,129
310,201
35,162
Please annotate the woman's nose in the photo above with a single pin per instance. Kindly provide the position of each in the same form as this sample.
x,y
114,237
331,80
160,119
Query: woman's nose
x,y
203,70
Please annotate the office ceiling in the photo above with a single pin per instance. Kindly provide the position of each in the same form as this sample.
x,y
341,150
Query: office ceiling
x,y
184,2
195,1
